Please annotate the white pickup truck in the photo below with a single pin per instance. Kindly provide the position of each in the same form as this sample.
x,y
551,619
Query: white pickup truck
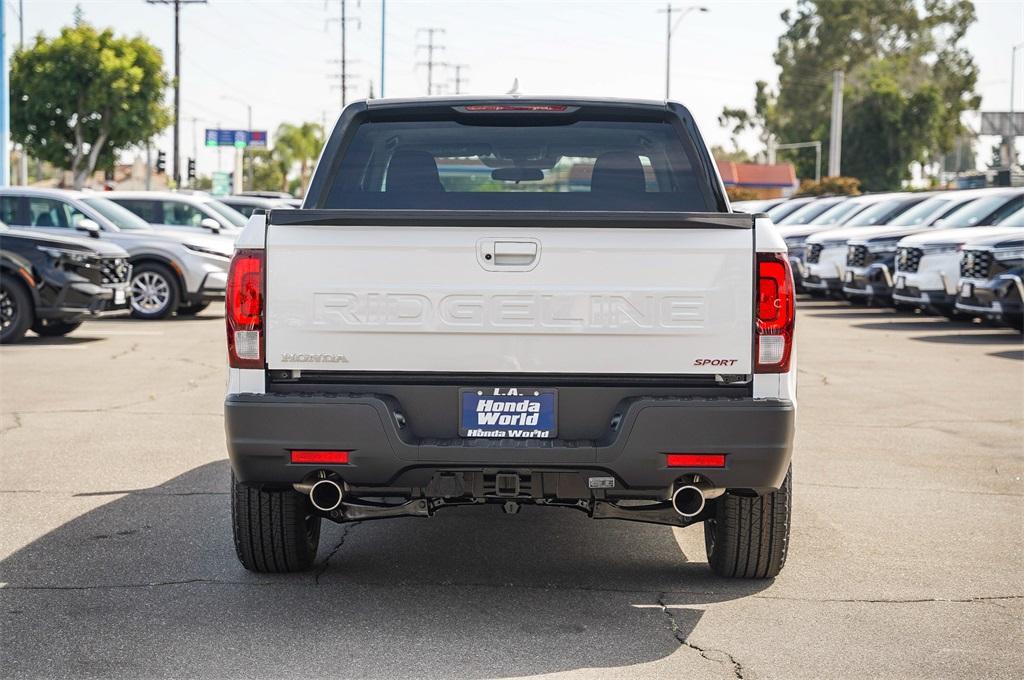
x,y
512,301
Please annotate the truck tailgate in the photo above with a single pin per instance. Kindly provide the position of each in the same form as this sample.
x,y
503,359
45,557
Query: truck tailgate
x,y
426,297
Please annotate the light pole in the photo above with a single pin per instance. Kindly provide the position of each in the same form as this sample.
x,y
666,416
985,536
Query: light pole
x,y
670,28
1011,140
248,129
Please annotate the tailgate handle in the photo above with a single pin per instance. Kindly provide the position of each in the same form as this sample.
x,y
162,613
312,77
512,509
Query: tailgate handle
x,y
514,253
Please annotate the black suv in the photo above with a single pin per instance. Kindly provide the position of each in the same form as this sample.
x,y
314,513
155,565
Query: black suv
x,y
49,283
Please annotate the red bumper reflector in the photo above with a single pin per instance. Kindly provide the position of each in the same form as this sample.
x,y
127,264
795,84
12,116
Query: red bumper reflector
x,y
323,457
705,460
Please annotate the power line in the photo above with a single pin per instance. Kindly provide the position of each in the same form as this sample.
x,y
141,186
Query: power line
x,y
176,164
430,47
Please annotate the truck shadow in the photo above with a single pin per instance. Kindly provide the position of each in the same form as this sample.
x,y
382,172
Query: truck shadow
x,y
148,585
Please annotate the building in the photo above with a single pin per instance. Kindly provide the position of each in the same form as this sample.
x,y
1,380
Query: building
x,y
762,181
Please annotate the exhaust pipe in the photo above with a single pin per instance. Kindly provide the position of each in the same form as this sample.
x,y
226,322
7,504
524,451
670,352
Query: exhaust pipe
x,y
688,501
325,495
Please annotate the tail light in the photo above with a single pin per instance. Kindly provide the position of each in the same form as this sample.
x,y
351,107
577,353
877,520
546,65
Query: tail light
x,y
776,313
244,313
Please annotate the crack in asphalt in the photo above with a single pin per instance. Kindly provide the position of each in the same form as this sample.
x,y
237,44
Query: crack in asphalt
x,y
346,530
133,348
661,594
705,652
17,423
911,488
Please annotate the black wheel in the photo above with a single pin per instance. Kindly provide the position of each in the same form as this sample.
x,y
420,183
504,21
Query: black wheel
x,y
1015,321
749,537
52,328
905,308
16,311
192,309
154,291
275,531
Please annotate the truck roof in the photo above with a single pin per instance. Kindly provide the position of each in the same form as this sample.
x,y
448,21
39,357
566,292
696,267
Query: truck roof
x,y
508,99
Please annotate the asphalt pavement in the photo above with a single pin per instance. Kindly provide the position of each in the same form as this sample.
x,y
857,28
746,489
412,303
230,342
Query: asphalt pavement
x,y
906,561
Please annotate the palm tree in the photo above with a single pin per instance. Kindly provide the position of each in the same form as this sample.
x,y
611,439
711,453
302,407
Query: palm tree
x,y
298,144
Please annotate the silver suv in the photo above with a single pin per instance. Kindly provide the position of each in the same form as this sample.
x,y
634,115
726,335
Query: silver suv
x,y
193,211
173,270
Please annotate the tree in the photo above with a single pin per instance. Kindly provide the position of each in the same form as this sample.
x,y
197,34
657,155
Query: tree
x,y
900,57
298,144
79,99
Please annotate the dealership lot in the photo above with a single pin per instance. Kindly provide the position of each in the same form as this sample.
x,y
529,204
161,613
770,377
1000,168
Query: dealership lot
x,y
906,559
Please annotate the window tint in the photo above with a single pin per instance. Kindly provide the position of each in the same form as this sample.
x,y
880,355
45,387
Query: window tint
x,y
584,165
121,217
180,214
144,208
881,213
983,211
840,213
245,210
808,213
926,211
232,217
9,210
1015,219
48,212
785,209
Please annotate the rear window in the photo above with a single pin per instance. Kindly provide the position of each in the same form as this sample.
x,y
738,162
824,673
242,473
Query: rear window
x,y
582,165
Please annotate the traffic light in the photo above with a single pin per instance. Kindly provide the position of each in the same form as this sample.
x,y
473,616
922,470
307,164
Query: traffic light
x,y
161,162
191,169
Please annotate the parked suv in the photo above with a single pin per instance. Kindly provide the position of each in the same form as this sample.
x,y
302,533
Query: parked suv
x,y
197,211
815,260
992,279
871,254
445,324
927,272
173,270
49,283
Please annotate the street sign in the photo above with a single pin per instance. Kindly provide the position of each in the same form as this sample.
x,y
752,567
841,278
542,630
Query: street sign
x,y
221,183
241,139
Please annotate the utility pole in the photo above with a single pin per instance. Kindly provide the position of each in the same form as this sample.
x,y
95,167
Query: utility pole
x,y
175,158
430,47
670,28
1011,139
458,77
5,111
22,157
343,60
383,41
835,144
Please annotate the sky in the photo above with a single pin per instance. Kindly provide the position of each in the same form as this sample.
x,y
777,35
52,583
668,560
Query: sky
x,y
280,56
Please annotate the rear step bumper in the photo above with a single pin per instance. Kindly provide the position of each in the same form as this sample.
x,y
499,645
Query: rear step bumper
x,y
755,434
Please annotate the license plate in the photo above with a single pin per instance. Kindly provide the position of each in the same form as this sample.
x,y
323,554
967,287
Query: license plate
x,y
508,412
849,277
119,296
966,290
901,281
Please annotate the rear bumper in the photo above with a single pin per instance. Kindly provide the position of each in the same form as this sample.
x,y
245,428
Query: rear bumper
x,y
755,434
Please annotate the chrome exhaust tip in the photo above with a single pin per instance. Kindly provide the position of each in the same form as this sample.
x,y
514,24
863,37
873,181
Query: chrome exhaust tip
x,y
325,495
688,501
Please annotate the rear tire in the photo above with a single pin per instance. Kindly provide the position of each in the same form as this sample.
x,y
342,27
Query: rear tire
x,y
54,328
749,537
16,311
1014,321
275,531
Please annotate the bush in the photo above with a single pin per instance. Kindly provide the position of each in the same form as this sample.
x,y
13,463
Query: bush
x,y
741,194
845,186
